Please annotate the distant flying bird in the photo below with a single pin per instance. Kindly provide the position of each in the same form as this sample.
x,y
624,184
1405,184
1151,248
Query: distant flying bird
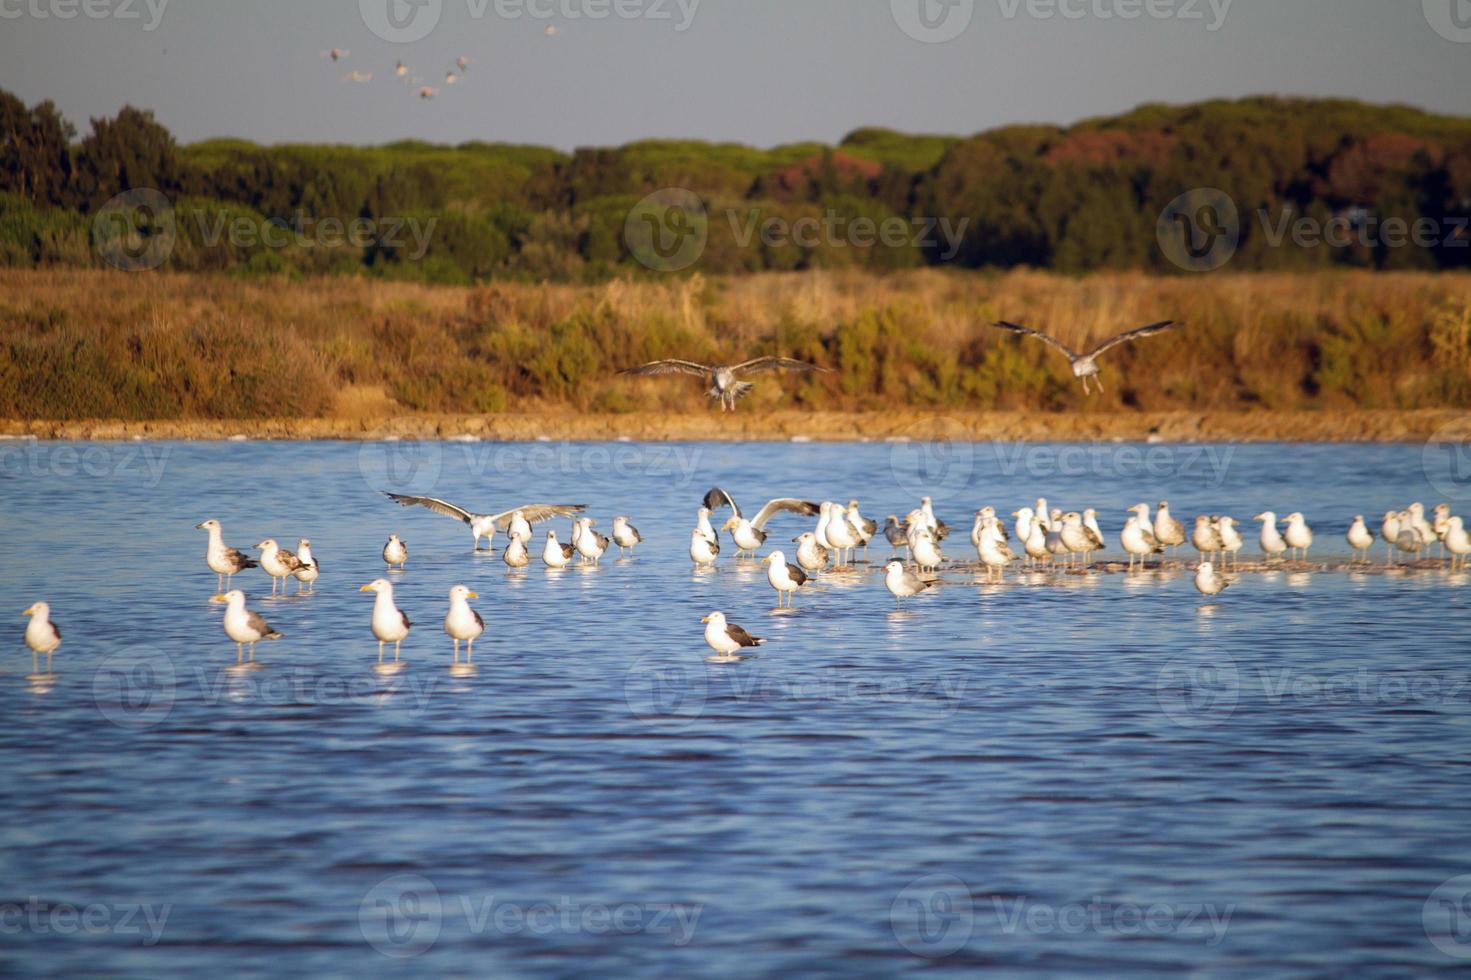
x,y
450,78
426,93
336,54
358,76
462,62
551,30
1085,366
724,385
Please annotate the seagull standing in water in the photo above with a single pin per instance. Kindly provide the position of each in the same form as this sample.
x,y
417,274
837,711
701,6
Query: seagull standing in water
x,y
786,579
724,384
42,635
309,569
390,625
1299,536
463,622
1167,529
1085,366
903,585
1457,542
625,536
1272,542
812,556
278,563
727,639
1360,538
556,554
223,560
395,552
246,628
1207,582
485,525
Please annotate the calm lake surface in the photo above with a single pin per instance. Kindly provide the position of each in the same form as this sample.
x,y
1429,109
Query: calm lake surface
x,y
1094,776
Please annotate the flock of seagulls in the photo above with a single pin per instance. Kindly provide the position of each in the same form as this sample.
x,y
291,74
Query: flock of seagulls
x,y
1041,537
453,74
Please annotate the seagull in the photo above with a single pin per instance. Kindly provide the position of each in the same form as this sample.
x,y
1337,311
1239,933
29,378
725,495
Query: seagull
x,y
1077,538
784,578
396,552
485,525
750,535
308,570
722,377
1206,539
516,555
1298,535
336,54
590,544
927,554
1423,527
224,561
901,584
278,563
1360,538
1085,366
1231,540
704,530
462,622
894,532
400,69
1137,538
702,552
519,529
1410,539
390,625
1169,531
1095,535
864,527
812,556
556,554
1389,530
726,639
243,626
358,77
1207,582
993,550
462,62
426,93
625,536
1442,524
841,534
1457,542
42,635
1272,542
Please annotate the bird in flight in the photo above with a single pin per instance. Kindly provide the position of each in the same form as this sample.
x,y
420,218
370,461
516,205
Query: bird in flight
x,y
1085,366
722,377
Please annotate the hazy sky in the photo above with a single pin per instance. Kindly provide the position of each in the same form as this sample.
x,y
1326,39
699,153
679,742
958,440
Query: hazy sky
x,y
753,71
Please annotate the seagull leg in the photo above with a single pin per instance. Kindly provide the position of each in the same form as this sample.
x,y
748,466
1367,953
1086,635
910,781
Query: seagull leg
x,y
380,651
457,649
396,645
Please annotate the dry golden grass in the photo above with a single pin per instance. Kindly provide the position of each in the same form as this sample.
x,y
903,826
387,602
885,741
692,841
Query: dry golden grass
x,y
95,344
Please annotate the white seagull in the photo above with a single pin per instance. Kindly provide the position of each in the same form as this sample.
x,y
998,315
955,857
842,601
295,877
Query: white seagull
x,y
1085,366
42,635
1207,582
462,622
309,568
724,384
784,578
223,560
750,534
625,536
1272,541
396,552
812,556
901,584
590,544
1299,536
390,625
243,626
485,525
556,554
1360,538
278,563
727,639
702,552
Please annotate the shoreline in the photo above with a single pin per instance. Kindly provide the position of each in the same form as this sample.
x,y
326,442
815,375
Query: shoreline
x,y
1158,427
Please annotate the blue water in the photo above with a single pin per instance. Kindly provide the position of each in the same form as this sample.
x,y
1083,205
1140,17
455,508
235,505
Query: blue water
x,y
1089,775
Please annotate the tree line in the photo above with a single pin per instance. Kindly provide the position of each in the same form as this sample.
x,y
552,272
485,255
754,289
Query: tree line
x,y
1309,183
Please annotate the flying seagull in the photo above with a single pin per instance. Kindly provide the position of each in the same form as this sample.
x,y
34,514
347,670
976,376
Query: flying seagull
x,y
724,385
750,534
1085,366
485,525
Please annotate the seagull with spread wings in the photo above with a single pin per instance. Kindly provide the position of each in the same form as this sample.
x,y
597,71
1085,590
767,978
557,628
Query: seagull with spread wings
x,y
723,382
750,534
1085,366
485,525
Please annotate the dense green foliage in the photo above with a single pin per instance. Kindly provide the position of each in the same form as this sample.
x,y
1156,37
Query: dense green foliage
x,y
1074,199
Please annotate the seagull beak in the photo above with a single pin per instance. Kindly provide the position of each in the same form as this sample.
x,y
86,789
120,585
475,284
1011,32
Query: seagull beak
x,y
218,598
366,588
29,612
199,525
474,595
705,620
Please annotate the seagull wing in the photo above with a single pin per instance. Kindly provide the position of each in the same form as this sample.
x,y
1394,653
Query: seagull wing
x,y
478,621
1135,334
739,635
258,623
537,513
1029,332
718,498
796,574
438,506
668,367
789,505
760,365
